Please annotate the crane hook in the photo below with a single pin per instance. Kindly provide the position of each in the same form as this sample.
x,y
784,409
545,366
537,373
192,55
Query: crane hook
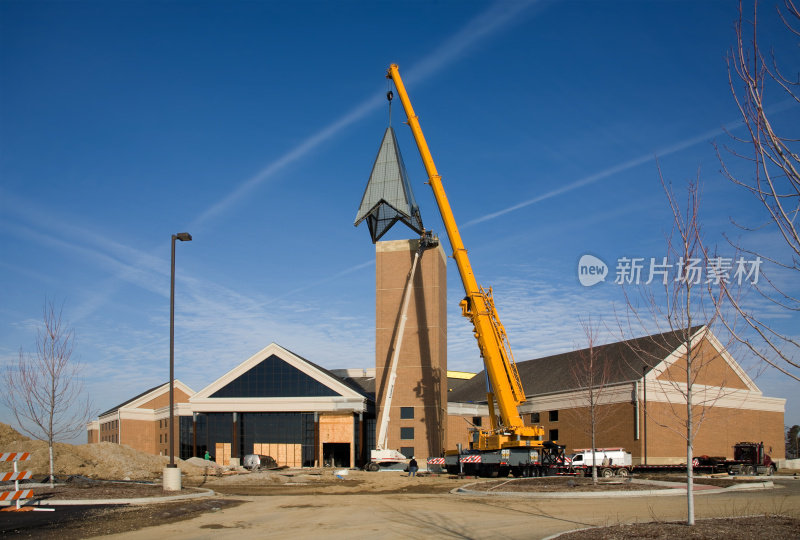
x,y
389,95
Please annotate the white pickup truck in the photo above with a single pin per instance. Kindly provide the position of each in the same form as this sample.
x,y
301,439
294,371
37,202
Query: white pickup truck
x,y
609,461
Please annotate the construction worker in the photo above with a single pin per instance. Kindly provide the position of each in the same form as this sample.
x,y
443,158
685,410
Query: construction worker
x,y
412,467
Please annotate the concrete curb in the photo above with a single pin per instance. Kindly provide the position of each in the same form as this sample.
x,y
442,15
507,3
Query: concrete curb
x,y
678,489
137,501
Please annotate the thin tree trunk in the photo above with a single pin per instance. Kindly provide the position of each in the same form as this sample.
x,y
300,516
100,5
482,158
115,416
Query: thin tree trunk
x,y
689,420
594,431
52,480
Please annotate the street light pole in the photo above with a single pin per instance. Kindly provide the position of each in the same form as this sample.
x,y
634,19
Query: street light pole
x,y
183,237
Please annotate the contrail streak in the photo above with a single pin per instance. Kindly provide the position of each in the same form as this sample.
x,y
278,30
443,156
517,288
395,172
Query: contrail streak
x,y
483,26
630,164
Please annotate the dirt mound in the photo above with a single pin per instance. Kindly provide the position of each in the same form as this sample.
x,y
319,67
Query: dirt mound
x,y
99,460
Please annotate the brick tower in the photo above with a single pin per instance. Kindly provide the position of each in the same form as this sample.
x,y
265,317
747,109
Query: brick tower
x,y
418,413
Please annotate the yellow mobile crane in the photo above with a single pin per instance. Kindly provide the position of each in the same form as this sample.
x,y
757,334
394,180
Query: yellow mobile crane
x,y
508,445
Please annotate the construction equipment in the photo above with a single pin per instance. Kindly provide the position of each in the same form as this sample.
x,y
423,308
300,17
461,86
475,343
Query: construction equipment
x,y
388,199
508,445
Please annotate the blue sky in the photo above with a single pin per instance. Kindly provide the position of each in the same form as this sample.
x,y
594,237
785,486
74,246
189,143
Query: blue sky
x,y
254,125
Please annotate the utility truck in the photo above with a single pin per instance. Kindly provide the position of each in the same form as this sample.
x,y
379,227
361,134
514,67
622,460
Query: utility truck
x,y
615,460
508,445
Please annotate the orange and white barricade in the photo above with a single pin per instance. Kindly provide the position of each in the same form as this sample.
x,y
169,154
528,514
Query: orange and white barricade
x,y
17,495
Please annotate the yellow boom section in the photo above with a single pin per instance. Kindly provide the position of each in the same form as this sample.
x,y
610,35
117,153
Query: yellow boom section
x,y
478,306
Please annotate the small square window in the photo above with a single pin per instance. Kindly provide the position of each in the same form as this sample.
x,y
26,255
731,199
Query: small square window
x,y
407,451
535,418
406,413
407,433
554,416
476,421
553,434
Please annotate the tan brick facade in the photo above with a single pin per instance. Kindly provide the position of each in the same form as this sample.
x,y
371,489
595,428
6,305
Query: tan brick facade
x,y
143,423
421,389
654,428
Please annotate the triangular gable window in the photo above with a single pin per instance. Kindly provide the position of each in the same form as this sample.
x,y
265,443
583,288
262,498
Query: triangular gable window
x,y
273,377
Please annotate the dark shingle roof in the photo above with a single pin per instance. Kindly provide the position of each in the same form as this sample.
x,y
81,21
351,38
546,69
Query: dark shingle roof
x,y
365,384
454,383
551,374
112,409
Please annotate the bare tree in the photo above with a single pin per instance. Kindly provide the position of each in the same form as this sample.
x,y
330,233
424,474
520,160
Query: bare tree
x,y
773,179
684,305
44,390
591,372
793,442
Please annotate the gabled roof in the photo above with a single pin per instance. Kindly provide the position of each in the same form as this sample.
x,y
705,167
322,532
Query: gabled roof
x,y
324,377
628,361
147,395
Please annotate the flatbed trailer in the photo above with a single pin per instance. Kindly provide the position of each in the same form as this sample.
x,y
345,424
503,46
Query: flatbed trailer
x,y
749,459
724,466
608,471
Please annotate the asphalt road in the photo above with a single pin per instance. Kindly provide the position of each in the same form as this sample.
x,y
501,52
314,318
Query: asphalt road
x,y
29,522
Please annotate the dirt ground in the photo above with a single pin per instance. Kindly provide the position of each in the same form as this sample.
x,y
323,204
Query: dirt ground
x,y
561,484
99,460
346,504
71,523
100,490
772,527
315,489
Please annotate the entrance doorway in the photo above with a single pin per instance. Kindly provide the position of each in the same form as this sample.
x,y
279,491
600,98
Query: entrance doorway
x,y
336,454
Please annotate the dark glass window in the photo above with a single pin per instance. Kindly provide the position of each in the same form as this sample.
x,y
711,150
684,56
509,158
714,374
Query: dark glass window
x,y
554,416
185,436
263,428
273,377
476,421
406,413
370,426
356,442
535,418
553,434
407,433
407,451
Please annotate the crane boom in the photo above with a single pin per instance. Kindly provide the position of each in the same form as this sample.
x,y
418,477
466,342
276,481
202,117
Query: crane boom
x,y
478,306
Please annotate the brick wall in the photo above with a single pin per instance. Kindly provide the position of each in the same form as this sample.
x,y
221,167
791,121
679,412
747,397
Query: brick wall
x,y
421,386
139,434
708,366
721,428
162,400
